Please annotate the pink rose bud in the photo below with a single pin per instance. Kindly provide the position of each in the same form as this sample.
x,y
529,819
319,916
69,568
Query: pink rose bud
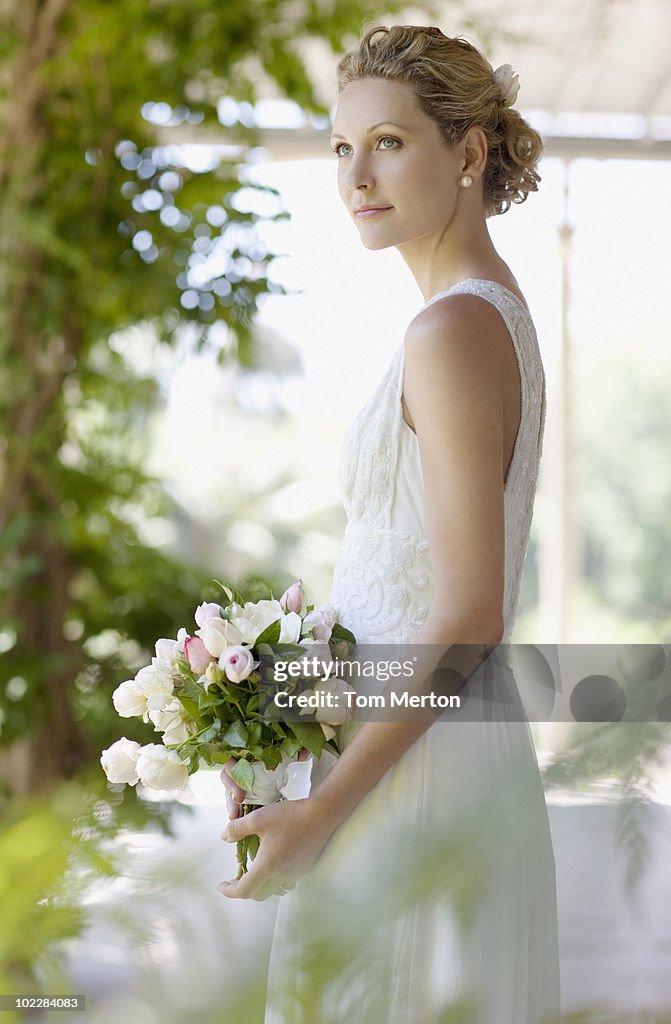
x,y
237,662
197,654
292,598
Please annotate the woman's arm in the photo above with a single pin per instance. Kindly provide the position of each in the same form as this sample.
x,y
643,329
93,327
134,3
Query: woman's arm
x,y
453,387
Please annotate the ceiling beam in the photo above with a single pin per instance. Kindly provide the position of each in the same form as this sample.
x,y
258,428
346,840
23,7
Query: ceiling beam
x,y
309,143
306,143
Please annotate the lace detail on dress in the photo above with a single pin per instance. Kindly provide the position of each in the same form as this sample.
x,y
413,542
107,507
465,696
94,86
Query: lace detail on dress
x,y
368,454
380,570
381,583
383,578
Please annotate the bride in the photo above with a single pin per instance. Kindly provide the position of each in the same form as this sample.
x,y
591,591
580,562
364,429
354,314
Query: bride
x,y
417,879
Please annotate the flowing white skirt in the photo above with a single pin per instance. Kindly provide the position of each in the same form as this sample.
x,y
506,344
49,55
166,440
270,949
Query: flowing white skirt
x,y
435,901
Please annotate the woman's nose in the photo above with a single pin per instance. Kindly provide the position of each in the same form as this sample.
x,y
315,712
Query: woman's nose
x,y
359,174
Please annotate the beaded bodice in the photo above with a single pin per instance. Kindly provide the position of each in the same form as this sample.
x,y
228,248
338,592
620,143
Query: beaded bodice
x,y
383,577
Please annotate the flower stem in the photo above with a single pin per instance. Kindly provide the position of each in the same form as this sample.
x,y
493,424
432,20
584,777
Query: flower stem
x,y
242,846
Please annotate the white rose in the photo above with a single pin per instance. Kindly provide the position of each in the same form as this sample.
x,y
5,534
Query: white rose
x,y
317,663
119,761
255,617
156,686
171,722
159,768
176,732
182,636
290,628
329,613
237,663
291,780
339,712
218,634
205,612
164,668
166,650
129,700
508,83
321,622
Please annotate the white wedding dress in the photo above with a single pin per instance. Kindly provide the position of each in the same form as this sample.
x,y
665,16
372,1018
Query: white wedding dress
x,y
435,901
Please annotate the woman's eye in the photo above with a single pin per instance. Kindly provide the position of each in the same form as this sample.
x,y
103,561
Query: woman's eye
x,y
385,142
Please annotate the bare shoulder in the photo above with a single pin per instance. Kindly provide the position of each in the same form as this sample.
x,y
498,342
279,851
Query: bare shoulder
x,y
459,339
455,318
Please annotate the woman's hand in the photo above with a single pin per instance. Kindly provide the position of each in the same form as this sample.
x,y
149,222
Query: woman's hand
x,y
292,832
281,858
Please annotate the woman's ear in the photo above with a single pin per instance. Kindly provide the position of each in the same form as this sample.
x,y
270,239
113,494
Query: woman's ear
x,y
474,149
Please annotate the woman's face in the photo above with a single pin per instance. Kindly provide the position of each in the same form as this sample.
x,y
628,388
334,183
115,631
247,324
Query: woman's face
x,y
391,156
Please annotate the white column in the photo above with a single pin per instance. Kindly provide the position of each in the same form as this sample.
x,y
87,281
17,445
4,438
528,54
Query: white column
x,y
558,554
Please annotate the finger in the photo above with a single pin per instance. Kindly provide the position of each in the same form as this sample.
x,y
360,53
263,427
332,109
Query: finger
x,y
243,889
237,793
248,825
233,809
255,884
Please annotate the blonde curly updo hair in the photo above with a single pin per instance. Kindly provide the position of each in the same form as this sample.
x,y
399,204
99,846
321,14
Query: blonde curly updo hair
x,y
455,86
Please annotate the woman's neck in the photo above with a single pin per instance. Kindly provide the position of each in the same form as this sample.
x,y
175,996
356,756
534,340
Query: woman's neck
x,y
439,264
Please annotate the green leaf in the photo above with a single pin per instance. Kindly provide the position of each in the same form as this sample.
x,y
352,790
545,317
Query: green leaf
x,y
339,632
213,753
233,595
253,843
236,734
190,689
290,746
243,774
310,735
189,705
212,732
270,635
271,757
226,590
290,652
219,756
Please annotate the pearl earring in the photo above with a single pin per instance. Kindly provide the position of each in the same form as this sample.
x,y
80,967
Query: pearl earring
x,y
466,181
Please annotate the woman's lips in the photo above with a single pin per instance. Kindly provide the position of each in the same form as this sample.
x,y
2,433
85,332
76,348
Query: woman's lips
x,y
371,212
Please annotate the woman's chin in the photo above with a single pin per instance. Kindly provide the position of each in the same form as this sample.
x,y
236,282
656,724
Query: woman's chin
x,y
374,244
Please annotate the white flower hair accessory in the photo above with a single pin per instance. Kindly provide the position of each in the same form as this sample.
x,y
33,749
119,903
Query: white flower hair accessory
x,y
508,83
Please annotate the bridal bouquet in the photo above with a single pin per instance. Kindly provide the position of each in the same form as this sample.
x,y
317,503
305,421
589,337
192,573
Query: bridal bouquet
x,y
210,696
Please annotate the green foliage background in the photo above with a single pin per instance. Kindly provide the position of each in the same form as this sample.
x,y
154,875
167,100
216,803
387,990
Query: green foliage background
x,y
101,219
